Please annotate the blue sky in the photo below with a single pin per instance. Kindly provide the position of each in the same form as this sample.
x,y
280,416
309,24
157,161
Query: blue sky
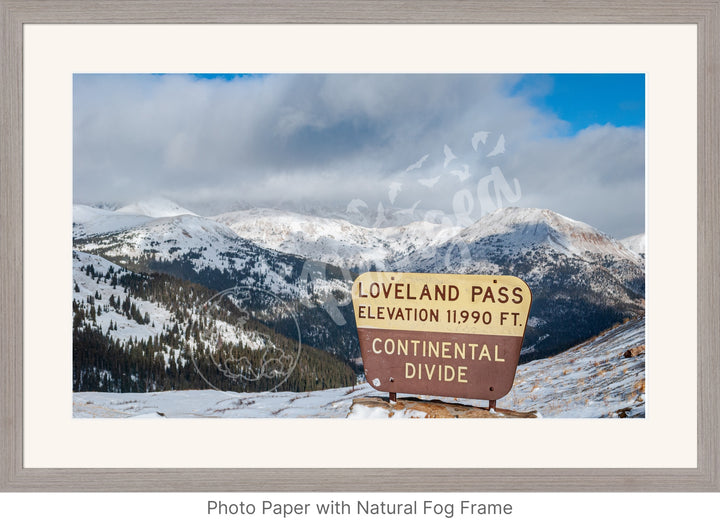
x,y
227,76
579,99
586,99
574,143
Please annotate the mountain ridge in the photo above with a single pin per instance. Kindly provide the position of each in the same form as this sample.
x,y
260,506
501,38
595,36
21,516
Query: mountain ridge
x,y
582,280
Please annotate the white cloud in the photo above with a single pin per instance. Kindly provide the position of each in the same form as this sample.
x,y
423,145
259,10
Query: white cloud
x,y
331,139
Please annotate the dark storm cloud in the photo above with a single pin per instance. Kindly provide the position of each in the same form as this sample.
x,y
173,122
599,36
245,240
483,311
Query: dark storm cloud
x,y
329,139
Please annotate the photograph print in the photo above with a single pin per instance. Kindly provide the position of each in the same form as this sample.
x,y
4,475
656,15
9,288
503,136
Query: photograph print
x,y
223,222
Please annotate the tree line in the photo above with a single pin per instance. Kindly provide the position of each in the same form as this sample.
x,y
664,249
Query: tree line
x,y
189,353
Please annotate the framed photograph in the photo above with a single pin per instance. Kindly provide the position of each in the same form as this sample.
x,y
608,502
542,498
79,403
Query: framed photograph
x,y
461,247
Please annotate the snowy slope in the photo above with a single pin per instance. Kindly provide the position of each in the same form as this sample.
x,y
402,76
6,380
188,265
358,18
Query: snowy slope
x,y
89,221
635,244
207,245
331,240
592,380
516,230
582,280
157,207
205,252
333,403
99,289
168,237
86,287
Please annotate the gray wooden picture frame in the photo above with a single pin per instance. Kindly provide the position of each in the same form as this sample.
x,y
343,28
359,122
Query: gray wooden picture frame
x,y
15,13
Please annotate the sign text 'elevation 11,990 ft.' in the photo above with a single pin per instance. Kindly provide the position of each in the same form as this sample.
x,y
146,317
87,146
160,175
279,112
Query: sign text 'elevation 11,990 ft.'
x,y
441,334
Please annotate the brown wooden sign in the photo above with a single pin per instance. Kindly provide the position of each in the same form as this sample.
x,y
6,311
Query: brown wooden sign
x,y
441,334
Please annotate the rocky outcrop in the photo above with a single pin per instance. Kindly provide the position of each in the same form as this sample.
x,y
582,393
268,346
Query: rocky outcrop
x,y
634,352
379,407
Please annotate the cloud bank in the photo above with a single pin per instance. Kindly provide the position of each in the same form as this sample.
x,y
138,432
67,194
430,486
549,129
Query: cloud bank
x,y
397,141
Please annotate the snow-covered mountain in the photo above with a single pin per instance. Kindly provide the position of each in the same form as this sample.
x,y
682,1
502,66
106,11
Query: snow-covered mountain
x,y
635,244
90,286
166,237
90,221
192,246
511,232
536,245
157,207
138,332
343,243
332,240
582,280
523,228
206,252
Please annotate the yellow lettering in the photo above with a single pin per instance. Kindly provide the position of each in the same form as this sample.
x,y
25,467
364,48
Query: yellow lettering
x,y
402,347
375,350
462,374
452,373
415,343
485,353
429,372
446,350
472,350
408,374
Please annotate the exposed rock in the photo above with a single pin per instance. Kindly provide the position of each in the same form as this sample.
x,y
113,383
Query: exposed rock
x,y
379,407
623,413
640,386
634,352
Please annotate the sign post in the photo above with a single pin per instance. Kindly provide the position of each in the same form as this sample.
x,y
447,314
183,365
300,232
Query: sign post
x,y
441,334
